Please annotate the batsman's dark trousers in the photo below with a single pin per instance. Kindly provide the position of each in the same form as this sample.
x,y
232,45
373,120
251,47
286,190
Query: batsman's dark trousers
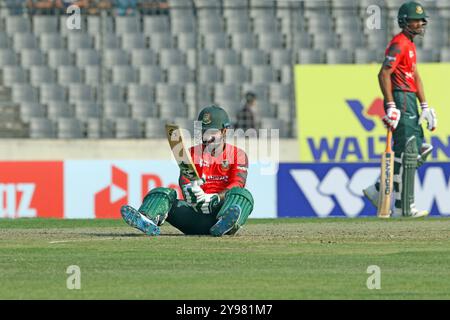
x,y
187,220
408,125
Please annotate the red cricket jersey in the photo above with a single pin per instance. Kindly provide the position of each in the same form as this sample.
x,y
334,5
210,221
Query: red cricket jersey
x,y
401,57
220,173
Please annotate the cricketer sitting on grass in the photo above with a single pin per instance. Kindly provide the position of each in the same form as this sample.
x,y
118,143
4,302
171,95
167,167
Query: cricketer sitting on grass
x,y
218,205
401,85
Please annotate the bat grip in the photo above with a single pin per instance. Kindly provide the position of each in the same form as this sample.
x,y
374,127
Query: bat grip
x,y
389,140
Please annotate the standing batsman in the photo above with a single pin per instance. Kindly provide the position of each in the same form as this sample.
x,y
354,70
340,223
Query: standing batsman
x,y
217,205
402,86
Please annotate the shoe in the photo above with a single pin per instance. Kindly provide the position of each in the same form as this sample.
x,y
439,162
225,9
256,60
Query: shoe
x,y
226,222
372,194
136,220
414,213
419,213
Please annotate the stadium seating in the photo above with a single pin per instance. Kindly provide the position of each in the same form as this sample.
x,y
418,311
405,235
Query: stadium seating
x,y
125,76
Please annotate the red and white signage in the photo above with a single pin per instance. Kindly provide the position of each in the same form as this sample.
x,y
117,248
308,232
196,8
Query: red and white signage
x,y
98,188
31,189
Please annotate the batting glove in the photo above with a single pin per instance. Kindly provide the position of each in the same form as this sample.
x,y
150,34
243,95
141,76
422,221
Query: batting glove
x,y
392,116
188,193
428,114
211,203
206,202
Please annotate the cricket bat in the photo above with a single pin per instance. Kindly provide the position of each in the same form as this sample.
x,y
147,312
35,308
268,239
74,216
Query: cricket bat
x,y
386,179
181,152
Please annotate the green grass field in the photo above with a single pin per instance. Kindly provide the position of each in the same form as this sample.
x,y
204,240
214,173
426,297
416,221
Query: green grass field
x,y
269,259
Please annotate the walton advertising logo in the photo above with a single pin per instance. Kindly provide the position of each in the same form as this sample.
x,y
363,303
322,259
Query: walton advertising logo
x,y
375,110
354,146
344,124
325,190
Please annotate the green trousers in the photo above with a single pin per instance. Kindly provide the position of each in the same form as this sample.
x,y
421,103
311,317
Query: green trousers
x,y
183,217
408,125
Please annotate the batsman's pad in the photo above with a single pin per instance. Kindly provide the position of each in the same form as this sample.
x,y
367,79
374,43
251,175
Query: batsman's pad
x,y
241,197
409,170
157,204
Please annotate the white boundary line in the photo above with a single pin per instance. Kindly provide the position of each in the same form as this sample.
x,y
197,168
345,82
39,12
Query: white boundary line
x,y
79,240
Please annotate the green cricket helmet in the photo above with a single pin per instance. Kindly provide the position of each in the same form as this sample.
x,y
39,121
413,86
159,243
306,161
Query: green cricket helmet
x,y
411,10
214,117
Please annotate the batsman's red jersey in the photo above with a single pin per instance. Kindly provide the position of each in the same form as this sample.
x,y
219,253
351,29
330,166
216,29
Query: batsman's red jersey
x,y
401,57
220,173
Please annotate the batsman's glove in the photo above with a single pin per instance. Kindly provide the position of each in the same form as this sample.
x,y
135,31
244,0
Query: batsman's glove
x,y
428,114
392,116
206,202
188,193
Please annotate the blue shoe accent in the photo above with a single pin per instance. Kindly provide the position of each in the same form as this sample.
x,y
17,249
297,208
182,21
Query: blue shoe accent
x,y
136,220
226,222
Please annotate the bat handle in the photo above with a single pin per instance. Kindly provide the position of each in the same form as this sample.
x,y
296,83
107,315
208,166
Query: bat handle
x,y
389,140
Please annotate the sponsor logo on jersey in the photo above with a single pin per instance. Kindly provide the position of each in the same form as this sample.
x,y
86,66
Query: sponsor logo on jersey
x,y
217,178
